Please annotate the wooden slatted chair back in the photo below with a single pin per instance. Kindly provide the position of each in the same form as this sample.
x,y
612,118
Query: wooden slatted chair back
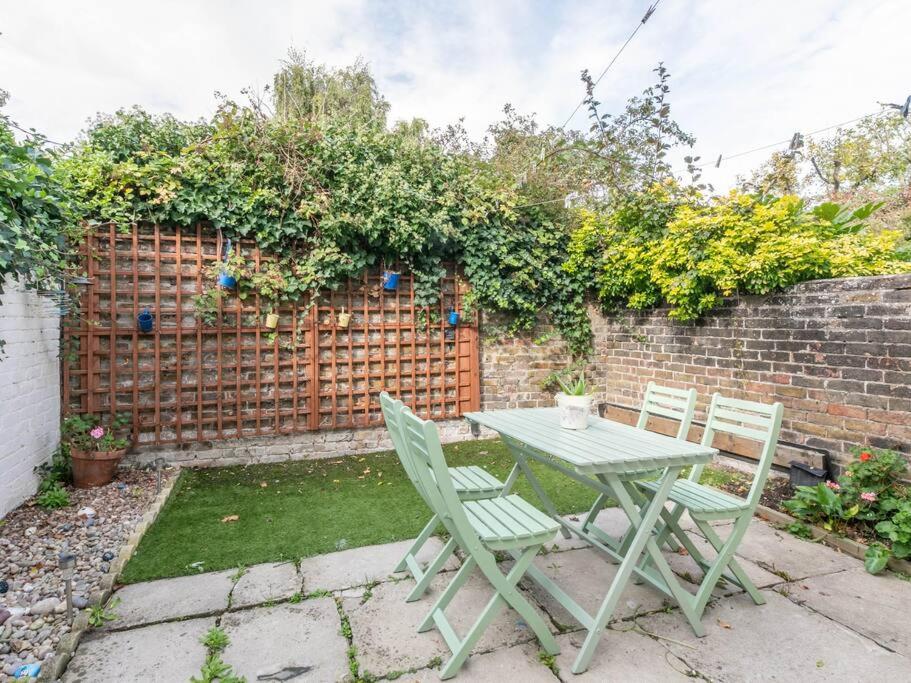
x,y
676,404
422,442
392,410
749,420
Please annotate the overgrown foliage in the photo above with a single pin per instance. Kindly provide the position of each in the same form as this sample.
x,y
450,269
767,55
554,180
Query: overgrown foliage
x,y
672,246
34,222
311,172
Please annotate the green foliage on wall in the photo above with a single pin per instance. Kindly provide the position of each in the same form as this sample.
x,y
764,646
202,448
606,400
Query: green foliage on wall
x,y
330,196
671,246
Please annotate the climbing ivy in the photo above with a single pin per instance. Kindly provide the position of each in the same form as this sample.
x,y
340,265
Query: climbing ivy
x,y
329,197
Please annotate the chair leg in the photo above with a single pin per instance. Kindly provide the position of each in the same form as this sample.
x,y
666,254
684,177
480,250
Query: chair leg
x,y
712,536
418,543
447,595
432,570
725,555
506,594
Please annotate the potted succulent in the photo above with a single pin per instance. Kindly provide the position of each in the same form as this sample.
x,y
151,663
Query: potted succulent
x,y
95,450
574,402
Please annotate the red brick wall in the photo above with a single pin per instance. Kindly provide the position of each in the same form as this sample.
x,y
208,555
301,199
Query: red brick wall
x,y
836,353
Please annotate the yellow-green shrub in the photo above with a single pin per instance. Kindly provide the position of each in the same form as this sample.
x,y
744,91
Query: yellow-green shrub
x,y
734,244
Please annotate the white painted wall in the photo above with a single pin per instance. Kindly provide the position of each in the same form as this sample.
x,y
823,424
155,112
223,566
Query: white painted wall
x,y
29,391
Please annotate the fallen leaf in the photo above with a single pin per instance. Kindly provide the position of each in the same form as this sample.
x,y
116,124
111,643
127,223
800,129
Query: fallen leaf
x,y
724,624
230,518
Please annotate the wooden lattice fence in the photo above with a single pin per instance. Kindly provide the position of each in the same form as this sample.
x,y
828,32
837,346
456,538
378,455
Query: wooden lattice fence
x,y
190,381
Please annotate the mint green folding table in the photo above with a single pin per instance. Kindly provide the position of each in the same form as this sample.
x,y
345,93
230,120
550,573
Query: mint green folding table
x,y
600,457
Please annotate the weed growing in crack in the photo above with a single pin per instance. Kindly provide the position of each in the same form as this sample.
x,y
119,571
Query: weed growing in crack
x,y
215,670
99,615
215,639
550,661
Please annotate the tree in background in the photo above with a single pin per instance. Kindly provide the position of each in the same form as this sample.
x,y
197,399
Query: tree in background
x,y
867,162
305,90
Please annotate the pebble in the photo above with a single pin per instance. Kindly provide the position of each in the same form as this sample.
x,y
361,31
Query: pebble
x,y
32,608
45,606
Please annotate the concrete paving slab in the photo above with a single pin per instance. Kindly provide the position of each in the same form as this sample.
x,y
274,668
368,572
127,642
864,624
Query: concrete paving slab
x,y
788,556
685,566
587,575
517,663
776,641
385,626
162,653
358,566
168,599
622,655
301,642
264,582
875,606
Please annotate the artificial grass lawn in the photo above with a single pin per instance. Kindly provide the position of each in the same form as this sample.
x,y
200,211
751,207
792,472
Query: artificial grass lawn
x,y
293,510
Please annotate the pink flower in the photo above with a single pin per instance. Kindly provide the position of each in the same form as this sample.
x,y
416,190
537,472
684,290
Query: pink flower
x,y
868,496
833,485
97,433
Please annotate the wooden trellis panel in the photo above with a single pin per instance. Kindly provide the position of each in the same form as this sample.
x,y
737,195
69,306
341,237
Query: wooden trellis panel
x,y
189,381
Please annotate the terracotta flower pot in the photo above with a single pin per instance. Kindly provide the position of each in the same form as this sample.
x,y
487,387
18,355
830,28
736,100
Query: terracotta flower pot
x,y
92,468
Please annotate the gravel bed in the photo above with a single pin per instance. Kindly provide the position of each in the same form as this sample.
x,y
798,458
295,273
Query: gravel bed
x,y
32,594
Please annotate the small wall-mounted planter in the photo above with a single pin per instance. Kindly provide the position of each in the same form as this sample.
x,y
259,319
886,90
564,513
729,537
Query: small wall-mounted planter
x,y
145,321
343,320
454,317
226,281
272,321
390,280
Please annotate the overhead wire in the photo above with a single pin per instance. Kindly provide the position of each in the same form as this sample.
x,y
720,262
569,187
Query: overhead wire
x,y
648,13
788,140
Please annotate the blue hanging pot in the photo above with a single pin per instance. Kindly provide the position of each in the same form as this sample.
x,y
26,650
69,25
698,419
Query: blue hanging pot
x,y
146,321
390,280
227,281
454,317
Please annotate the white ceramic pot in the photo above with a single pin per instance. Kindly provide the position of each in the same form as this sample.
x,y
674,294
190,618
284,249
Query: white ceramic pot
x,y
574,410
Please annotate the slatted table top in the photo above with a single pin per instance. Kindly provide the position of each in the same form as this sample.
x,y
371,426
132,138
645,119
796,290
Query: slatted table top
x,y
605,447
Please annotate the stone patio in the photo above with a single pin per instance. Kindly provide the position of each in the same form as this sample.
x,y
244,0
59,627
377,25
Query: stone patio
x,y
825,619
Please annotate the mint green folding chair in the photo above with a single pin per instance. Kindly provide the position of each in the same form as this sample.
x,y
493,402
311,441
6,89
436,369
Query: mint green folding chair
x,y
479,527
746,419
668,402
471,483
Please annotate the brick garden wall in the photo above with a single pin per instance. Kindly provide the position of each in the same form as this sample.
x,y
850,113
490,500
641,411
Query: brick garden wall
x,y
836,353
29,391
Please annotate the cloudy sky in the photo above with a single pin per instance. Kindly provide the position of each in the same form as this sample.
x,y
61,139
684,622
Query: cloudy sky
x,y
744,74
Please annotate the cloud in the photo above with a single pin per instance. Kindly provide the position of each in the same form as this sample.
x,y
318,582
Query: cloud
x,y
743,74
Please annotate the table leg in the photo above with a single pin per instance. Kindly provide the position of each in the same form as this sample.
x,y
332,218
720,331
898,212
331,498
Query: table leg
x,y
511,480
546,502
644,526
